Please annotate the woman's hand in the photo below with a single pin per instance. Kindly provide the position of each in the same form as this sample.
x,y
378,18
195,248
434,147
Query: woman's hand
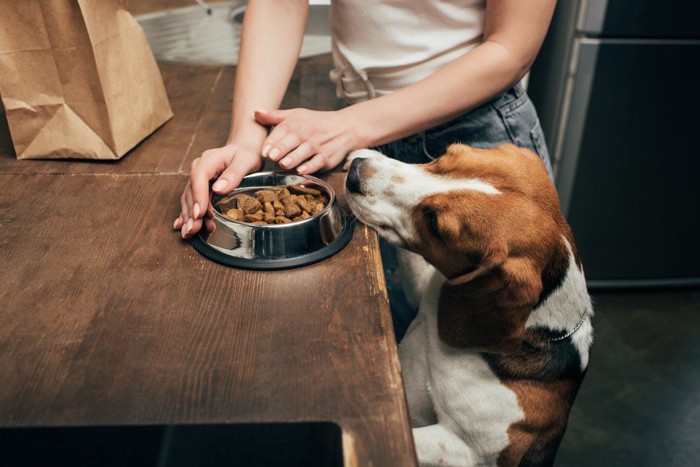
x,y
306,139
228,164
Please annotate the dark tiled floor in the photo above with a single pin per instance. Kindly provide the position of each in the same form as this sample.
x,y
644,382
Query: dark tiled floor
x,y
640,402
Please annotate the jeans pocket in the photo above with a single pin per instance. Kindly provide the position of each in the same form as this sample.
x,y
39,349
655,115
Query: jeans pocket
x,y
538,140
540,147
519,118
525,131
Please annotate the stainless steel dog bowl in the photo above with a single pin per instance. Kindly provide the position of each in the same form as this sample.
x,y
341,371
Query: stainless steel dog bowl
x,y
277,246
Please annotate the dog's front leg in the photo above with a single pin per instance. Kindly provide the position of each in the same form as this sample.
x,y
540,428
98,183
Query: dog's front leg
x,y
415,274
414,367
437,445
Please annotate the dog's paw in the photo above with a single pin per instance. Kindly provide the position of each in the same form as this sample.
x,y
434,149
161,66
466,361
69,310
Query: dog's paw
x,y
361,153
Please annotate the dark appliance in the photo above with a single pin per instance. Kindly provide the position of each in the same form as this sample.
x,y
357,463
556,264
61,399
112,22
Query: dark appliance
x,y
617,86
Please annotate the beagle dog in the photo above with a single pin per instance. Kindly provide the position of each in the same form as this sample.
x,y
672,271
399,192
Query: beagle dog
x,y
499,348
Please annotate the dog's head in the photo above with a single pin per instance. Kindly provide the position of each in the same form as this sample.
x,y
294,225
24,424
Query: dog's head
x,y
487,219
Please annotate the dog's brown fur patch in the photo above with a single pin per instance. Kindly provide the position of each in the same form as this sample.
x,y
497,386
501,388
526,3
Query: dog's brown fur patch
x,y
534,440
545,377
509,244
397,179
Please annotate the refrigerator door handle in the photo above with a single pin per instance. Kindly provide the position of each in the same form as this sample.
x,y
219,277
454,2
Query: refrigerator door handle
x,y
591,16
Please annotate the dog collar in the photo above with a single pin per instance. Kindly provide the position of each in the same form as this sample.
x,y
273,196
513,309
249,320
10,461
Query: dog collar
x,y
584,315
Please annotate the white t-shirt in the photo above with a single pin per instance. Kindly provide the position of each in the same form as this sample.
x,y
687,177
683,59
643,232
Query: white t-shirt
x,y
380,46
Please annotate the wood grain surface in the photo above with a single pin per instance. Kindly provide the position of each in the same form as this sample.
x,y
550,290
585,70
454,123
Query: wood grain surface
x,y
107,317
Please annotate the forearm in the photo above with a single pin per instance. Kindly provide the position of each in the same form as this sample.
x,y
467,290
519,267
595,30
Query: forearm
x,y
270,44
455,89
513,34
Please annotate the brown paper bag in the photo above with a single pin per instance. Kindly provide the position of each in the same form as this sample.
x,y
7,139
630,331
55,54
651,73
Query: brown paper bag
x,y
77,79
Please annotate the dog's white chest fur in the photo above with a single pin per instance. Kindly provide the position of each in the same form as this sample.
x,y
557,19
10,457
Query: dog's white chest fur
x,y
468,398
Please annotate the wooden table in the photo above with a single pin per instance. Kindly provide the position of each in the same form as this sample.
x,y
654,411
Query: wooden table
x,y
108,318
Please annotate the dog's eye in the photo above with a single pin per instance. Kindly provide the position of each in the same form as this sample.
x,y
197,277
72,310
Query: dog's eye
x,y
431,220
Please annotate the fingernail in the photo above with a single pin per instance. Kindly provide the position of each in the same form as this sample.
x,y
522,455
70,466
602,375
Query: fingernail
x,y
195,210
302,168
286,161
265,149
219,185
187,228
274,153
176,224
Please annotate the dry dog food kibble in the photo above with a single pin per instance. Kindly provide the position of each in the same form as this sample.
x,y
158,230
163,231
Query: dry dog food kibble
x,y
276,205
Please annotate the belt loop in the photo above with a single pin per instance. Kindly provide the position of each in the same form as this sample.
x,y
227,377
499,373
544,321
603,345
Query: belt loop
x,y
336,76
371,93
339,75
518,89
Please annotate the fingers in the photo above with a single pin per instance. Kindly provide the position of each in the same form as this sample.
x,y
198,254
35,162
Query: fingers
x,y
208,167
314,164
191,227
280,143
184,208
272,118
209,225
288,132
245,162
290,151
229,179
194,201
288,148
321,161
187,223
303,152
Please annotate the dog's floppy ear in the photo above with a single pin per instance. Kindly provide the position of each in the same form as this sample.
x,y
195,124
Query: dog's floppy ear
x,y
487,309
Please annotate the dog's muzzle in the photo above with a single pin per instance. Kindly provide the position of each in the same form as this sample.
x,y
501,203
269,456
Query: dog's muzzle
x,y
353,184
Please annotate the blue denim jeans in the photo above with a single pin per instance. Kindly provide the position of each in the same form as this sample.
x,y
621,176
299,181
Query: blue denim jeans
x,y
507,118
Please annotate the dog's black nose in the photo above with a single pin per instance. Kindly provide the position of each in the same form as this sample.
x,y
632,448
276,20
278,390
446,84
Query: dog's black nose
x,y
352,180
